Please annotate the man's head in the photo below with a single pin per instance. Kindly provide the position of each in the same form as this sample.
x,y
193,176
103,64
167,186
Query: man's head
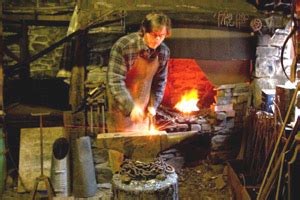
x,y
155,28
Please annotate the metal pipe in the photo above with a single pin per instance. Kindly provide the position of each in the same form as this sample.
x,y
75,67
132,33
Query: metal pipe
x,y
97,117
103,118
91,123
41,144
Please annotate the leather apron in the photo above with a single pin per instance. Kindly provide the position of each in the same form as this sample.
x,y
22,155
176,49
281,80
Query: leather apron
x,y
138,82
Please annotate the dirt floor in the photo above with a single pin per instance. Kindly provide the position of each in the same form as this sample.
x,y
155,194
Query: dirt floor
x,y
202,182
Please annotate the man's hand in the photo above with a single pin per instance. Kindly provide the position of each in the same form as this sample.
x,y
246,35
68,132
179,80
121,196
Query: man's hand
x,y
151,111
137,114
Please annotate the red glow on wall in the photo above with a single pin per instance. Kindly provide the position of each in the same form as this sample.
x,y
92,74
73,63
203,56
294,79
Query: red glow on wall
x,y
185,75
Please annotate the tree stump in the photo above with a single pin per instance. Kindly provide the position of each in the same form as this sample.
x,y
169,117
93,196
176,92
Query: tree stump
x,y
153,189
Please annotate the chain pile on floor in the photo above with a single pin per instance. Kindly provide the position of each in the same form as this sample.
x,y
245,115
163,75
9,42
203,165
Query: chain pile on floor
x,y
137,170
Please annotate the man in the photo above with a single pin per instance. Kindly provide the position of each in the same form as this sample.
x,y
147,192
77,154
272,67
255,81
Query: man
x,y
137,74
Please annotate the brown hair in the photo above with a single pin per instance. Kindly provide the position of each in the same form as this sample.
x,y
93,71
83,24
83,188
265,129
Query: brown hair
x,y
154,21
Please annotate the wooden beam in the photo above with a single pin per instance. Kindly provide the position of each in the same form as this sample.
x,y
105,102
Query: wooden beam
x,y
1,67
44,17
10,54
54,13
239,191
24,52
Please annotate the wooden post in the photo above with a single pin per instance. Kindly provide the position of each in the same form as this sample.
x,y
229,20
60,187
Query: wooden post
x,y
76,92
2,141
1,61
78,73
24,52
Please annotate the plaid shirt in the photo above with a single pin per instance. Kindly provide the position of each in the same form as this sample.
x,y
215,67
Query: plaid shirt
x,y
122,56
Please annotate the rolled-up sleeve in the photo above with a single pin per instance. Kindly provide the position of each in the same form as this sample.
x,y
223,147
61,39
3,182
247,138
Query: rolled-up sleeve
x,y
116,80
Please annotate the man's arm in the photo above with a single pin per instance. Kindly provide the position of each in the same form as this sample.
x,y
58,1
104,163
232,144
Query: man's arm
x,y
116,80
159,84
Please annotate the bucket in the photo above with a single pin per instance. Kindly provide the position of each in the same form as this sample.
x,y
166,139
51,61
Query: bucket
x,y
60,175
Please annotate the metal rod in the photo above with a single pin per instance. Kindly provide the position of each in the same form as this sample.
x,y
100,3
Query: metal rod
x,y
42,143
91,123
103,118
98,117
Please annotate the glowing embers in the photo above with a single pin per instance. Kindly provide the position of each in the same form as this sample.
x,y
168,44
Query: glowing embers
x,y
188,102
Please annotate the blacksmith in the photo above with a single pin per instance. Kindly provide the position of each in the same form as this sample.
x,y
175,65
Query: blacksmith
x,y
137,74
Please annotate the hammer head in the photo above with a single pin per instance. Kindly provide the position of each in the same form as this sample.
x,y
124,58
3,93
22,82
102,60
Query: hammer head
x,y
151,122
151,117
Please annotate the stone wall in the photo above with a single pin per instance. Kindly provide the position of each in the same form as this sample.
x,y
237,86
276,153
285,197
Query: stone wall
x,y
268,70
41,37
233,100
8,61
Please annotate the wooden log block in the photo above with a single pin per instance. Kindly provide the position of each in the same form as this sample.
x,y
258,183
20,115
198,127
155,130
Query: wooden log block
x,y
146,190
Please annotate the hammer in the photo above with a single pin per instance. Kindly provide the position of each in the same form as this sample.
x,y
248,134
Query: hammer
x,y
151,117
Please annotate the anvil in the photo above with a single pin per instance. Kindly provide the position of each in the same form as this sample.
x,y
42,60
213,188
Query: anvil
x,y
143,145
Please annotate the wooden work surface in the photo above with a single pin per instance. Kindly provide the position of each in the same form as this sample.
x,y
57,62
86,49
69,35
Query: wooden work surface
x,y
29,163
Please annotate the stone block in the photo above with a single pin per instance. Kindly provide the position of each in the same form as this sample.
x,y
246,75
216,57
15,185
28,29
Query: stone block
x,y
267,51
223,100
218,128
263,39
219,108
221,142
230,113
224,93
176,162
225,86
230,123
221,116
206,127
196,127
100,155
103,174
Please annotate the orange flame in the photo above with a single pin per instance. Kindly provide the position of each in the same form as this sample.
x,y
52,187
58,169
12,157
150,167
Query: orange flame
x,y
188,102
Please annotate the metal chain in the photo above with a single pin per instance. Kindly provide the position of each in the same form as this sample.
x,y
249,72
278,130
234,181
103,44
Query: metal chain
x,y
137,170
